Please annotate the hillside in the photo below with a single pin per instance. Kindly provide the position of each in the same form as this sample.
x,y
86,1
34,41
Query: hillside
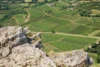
x,y
65,25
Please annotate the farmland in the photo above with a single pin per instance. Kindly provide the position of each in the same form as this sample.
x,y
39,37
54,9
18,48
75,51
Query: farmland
x,y
57,19
46,18
62,25
60,42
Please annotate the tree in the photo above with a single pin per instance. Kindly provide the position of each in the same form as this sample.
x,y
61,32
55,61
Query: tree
x,y
4,7
53,31
34,1
98,51
98,59
88,49
94,45
85,13
45,1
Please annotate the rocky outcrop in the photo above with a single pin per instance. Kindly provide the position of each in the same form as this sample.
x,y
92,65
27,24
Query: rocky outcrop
x,y
21,48
76,58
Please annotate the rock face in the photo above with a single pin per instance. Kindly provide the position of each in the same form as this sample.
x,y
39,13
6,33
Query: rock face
x,y
21,48
77,58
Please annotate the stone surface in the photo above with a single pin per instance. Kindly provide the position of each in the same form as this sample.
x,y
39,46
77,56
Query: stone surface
x,y
18,50
76,58
21,48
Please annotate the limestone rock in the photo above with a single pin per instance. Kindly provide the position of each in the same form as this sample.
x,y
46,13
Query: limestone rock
x,y
5,51
77,58
21,48
18,50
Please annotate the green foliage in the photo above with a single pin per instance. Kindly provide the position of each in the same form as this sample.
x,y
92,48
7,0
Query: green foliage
x,y
34,1
12,13
66,42
84,9
95,48
62,20
98,59
4,7
84,13
53,31
0,26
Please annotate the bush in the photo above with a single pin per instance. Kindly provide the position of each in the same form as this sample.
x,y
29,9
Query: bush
x,y
84,9
53,31
94,48
4,7
85,13
98,59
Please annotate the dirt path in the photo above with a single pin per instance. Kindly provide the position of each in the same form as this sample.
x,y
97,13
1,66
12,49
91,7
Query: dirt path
x,y
94,33
71,35
64,52
64,19
28,16
74,35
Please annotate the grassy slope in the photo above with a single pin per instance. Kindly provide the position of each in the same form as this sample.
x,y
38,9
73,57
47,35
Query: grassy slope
x,y
66,42
59,20
20,18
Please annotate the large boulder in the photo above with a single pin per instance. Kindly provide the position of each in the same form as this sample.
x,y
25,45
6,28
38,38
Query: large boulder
x,y
19,49
76,58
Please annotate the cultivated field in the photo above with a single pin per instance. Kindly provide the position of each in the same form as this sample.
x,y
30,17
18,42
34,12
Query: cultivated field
x,y
46,18
62,29
61,42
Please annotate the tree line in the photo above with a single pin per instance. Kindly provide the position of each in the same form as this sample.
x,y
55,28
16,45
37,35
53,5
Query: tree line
x,y
84,9
23,1
95,48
